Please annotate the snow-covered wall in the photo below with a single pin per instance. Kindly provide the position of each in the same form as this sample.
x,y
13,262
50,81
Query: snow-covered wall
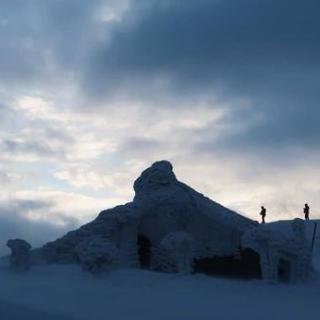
x,y
283,253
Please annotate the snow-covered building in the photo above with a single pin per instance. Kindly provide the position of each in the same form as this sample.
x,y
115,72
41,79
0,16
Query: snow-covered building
x,y
168,227
284,251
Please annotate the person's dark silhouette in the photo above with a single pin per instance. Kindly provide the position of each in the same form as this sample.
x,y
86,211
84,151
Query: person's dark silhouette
x,y
306,211
263,214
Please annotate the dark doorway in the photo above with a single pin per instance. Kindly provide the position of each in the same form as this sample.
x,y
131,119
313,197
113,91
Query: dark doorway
x,y
284,270
250,264
144,251
245,266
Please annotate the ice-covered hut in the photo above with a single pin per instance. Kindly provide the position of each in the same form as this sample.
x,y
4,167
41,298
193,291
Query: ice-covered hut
x,y
166,222
284,250
168,227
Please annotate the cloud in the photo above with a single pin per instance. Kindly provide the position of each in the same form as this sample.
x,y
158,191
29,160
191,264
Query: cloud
x,y
64,206
39,131
92,92
33,144
41,215
166,53
83,176
8,178
244,184
29,35
14,224
265,53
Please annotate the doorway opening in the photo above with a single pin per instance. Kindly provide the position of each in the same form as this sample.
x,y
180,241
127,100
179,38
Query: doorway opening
x,y
144,251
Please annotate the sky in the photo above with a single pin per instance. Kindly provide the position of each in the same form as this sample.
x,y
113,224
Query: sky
x,y
93,92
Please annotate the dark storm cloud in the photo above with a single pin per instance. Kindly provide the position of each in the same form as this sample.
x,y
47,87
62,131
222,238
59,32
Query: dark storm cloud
x,y
39,39
214,40
264,51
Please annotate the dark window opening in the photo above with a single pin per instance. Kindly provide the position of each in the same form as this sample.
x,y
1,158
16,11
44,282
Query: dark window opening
x,y
144,251
284,270
246,266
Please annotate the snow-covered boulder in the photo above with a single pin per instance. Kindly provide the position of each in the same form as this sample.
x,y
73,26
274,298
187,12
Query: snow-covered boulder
x,y
178,247
284,251
97,254
20,254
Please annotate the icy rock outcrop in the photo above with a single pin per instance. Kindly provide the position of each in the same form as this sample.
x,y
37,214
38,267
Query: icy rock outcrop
x,y
161,205
284,246
178,249
97,254
20,254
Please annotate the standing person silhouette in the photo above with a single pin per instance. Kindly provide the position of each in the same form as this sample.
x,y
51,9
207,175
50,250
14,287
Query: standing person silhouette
x,y
263,214
306,211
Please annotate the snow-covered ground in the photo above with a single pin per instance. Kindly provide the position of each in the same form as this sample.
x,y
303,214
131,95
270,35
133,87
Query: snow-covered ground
x,y
66,292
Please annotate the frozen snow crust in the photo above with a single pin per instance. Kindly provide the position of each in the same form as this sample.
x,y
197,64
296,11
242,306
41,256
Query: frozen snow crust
x,y
161,205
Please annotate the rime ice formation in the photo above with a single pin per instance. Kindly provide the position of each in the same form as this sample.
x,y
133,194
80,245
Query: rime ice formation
x,y
97,254
162,205
20,254
282,254
170,227
163,208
